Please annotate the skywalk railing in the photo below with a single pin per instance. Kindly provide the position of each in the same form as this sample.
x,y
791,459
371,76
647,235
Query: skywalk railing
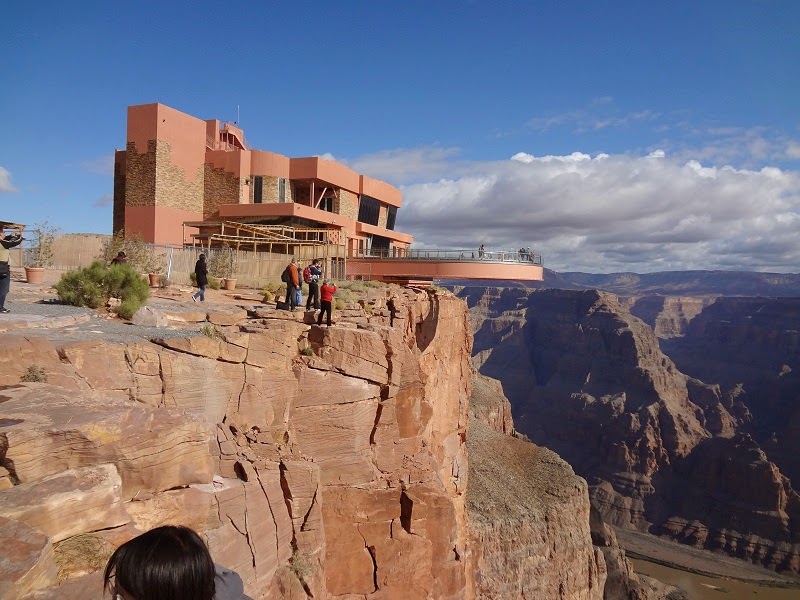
x,y
473,255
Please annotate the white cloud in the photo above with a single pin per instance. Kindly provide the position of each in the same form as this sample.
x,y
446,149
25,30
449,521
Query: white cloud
x,y
104,200
5,181
411,165
605,212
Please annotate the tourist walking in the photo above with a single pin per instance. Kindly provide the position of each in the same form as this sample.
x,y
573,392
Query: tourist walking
x,y
327,292
481,251
201,275
6,242
314,273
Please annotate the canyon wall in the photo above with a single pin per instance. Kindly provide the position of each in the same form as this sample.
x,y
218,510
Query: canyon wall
x,y
662,451
325,463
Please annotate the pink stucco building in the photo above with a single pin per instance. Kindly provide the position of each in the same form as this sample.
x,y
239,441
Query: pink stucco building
x,y
182,180
177,168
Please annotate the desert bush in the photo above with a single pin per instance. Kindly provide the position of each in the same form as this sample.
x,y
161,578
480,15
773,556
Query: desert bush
x,y
94,285
300,565
164,281
34,373
339,304
307,351
268,296
139,255
274,286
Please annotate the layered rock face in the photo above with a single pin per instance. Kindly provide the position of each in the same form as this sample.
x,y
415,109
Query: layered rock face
x,y
338,473
528,511
668,316
662,452
530,518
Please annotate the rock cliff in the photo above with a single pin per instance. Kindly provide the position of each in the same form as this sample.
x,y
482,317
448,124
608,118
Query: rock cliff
x,y
531,520
662,451
335,472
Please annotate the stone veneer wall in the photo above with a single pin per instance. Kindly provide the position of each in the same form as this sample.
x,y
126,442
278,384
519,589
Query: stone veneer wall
x,y
269,190
174,189
118,220
221,187
348,204
140,175
382,216
151,179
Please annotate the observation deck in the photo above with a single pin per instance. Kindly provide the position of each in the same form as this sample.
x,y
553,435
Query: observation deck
x,y
404,266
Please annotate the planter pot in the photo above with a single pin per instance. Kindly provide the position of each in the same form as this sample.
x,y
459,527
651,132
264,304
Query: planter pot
x,y
153,277
34,274
229,284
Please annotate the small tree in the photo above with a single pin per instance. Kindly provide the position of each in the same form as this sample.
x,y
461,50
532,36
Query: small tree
x,y
93,286
41,250
140,255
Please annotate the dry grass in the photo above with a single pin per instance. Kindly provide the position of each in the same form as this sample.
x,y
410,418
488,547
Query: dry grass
x,y
81,554
35,374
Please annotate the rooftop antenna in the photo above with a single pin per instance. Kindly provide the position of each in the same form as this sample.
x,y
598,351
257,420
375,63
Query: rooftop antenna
x,y
237,114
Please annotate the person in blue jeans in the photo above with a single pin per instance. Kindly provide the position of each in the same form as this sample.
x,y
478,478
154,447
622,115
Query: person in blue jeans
x,y
201,273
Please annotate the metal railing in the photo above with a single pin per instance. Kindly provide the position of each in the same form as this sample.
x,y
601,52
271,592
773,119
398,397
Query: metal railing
x,y
474,255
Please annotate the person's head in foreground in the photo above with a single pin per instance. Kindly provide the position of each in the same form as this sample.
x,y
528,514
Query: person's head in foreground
x,y
166,563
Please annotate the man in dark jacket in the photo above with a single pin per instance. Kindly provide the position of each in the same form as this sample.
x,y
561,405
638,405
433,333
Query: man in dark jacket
x,y
313,285
201,274
6,242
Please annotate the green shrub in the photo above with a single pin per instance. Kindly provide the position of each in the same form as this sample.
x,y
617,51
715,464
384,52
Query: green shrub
x,y
307,351
34,373
193,277
214,283
339,304
273,287
94,285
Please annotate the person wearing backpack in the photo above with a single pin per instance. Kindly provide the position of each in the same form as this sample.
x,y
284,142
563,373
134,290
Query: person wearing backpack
x,y
311,275
291,277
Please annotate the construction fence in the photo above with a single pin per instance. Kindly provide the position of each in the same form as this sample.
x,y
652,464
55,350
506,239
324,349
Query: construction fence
x,y
250,269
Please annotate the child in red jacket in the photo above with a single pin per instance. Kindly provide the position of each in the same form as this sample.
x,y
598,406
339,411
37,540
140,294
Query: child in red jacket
x,y
326,295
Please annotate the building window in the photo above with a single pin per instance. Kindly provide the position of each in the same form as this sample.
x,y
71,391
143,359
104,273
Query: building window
x,y
390,217
258,189
326,204
369,210
281,189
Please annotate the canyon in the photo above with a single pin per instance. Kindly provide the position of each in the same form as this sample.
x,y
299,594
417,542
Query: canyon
x,y
316,462
680,411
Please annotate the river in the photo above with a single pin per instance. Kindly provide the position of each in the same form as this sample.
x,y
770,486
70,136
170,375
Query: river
x,y
700,587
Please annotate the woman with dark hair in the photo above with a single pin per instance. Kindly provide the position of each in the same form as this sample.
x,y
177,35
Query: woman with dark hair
x,y
169,563
201,274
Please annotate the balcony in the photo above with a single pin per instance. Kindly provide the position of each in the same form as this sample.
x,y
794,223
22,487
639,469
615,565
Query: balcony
x,y
429,264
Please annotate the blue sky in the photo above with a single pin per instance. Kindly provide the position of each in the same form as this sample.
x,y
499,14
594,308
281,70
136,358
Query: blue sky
x,y
606,135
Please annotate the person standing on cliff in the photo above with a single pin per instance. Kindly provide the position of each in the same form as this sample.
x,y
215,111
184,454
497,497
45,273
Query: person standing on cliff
x,y
293,285
201,274
313,284
6,242
327,292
